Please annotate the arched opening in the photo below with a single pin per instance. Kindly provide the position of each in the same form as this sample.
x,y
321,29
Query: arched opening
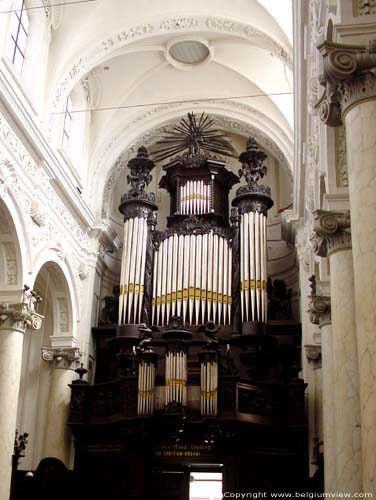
x,y
38,388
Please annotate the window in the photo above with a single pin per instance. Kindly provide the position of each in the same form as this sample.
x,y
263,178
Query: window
x,y
205,486
67,124
18,35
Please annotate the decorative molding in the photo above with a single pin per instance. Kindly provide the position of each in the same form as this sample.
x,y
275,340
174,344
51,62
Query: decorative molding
x,y
11,263
150,136
319,310
348,79
21,176
19,317
37,213
198,23
66,358
331,232
313,353
364,7
341,157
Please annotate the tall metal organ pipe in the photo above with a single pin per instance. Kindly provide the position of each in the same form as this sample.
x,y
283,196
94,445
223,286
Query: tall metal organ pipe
x,y
208,383
192,278
253,203
146,382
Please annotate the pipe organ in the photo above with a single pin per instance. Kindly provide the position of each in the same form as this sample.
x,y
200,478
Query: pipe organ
x,y
204,268
193,374
192,279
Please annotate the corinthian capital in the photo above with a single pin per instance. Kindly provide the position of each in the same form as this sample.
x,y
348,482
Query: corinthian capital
x,y
319,310
62,357
348,79
331,232
19,317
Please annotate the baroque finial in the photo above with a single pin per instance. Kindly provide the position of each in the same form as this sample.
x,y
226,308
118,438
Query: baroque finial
x,y
253,168
139,177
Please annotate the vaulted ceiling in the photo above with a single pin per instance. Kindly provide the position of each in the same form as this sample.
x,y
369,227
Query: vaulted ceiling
x,y
149,62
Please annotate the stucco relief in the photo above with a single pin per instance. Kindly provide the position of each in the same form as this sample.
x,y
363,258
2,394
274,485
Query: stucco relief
x,y
47,232
148,138
11,263
341,157
364,7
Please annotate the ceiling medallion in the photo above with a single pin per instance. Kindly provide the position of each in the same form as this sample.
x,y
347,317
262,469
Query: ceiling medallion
x,y
188,52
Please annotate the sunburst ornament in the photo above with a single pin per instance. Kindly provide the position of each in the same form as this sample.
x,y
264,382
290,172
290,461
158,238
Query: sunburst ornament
x,y
195,136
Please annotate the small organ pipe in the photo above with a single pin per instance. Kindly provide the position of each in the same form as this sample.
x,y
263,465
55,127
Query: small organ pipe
x,y
215,277
192,272
179,296
220,279
242,243
174,273
186,275
198,277
210,275
252,263
225,281
169,277
246,267
204,277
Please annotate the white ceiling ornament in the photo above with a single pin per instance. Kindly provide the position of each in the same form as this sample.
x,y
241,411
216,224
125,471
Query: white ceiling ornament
x,y
188,52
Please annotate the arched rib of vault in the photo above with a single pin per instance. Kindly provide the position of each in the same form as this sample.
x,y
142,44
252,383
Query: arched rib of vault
x,y
238,118
117,120
81,59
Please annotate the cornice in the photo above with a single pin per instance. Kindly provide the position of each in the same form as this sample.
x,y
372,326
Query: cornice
x,y
348,79
27,131
331,232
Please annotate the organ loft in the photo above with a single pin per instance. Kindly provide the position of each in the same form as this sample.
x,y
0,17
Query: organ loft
x,y
200,373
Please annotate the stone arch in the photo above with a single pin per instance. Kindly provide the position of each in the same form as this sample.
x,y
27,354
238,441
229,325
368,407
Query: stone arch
x,y
231,116
13,251
52,282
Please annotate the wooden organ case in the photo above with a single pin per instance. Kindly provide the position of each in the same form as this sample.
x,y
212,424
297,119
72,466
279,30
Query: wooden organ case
x,y
193,377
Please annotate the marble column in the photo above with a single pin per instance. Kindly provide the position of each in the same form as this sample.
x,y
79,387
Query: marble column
x,y
319,309
58,440
14,320
350,99
333,239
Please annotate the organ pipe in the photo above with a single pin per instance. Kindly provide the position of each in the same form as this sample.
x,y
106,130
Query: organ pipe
x,y
194,198
146,383
176,377
208,383
132,275
192,279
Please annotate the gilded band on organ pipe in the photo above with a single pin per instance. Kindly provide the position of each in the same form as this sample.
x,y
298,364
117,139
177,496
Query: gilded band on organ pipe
x,y
192,278
176,377
209,385
146,387
194,198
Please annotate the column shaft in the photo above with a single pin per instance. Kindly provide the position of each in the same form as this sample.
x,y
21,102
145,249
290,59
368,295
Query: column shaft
x,y
361,148
58,439
11,342
328,409
345,379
